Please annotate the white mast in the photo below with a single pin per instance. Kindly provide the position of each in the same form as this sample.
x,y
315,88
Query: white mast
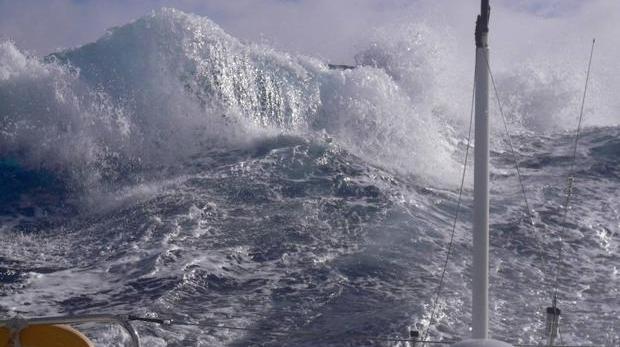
x,y
480,273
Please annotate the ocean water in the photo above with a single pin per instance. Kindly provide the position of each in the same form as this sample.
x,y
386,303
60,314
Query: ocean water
x,y
170,169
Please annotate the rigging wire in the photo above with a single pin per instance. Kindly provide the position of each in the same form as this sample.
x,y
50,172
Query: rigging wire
x,y
514,156
570,182
524,194
571,176
517,167
570,179
456,217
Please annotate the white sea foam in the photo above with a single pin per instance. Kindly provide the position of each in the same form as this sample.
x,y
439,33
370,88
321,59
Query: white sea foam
x,y
170,85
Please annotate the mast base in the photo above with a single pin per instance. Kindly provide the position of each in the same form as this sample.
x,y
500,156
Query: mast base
x,y
481,343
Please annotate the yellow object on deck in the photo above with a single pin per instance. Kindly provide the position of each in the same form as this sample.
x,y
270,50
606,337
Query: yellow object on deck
x,y
45,336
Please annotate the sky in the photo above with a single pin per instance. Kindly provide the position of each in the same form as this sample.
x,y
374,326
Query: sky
x,y
328,29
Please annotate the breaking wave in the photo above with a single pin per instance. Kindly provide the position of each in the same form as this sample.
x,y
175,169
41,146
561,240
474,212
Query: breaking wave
x,y
171,85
